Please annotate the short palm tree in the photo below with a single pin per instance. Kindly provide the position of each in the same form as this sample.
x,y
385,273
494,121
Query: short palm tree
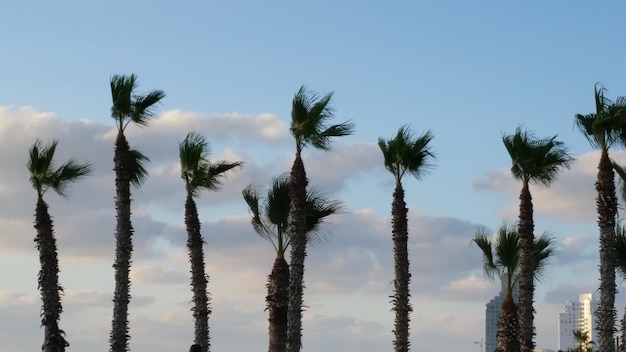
x,y
270,219
199,173
404,154
582,339
605,128
309,117
501,259
44,175
537,161
139,109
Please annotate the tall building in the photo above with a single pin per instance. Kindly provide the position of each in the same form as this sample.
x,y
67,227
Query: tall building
x,y
577,315
492,315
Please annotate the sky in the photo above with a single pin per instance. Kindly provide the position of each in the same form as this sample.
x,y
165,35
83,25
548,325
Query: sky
x,y
467,71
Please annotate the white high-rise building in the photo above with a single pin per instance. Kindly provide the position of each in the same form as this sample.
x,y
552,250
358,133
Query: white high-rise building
x,y
492,315
577,315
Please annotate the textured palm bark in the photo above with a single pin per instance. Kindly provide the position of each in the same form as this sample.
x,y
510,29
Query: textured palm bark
x,y
297,193
526,311
120,333
607,210
401,304
48,280
199,279
507,339
277,301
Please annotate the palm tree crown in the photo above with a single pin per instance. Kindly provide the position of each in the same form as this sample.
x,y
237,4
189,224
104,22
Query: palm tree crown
x,y
44,175
129,106
501,256
270,217
405,153
309,116
536,160
607,125
195,167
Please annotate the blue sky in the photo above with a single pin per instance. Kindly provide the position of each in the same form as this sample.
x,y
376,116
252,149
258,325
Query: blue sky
x,y
468,71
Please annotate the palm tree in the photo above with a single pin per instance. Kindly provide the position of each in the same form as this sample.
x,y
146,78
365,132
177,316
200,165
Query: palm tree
x,y
403,154
127,107
270,219
309,117
501,259
199,173
536,161
582,339
603,129
44,176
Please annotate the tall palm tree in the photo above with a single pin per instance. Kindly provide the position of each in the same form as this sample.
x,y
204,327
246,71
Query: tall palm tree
x,y
199,173
603,129
270,219
310,114
127,107
501,259
620,245
536,161
404,154
44,175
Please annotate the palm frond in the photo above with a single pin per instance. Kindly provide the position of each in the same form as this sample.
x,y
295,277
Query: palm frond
x,y
543,249
585,124
144,106
277,202
507,252
484,244
136,169
216,173
251,195
122,88
621,173
70,172
318,209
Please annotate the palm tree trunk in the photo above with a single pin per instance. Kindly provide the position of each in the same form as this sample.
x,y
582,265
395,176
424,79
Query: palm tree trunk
x,y
297,193
401,304
49,279
508,326
124,247
199,279
526,230
607,210
277,301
